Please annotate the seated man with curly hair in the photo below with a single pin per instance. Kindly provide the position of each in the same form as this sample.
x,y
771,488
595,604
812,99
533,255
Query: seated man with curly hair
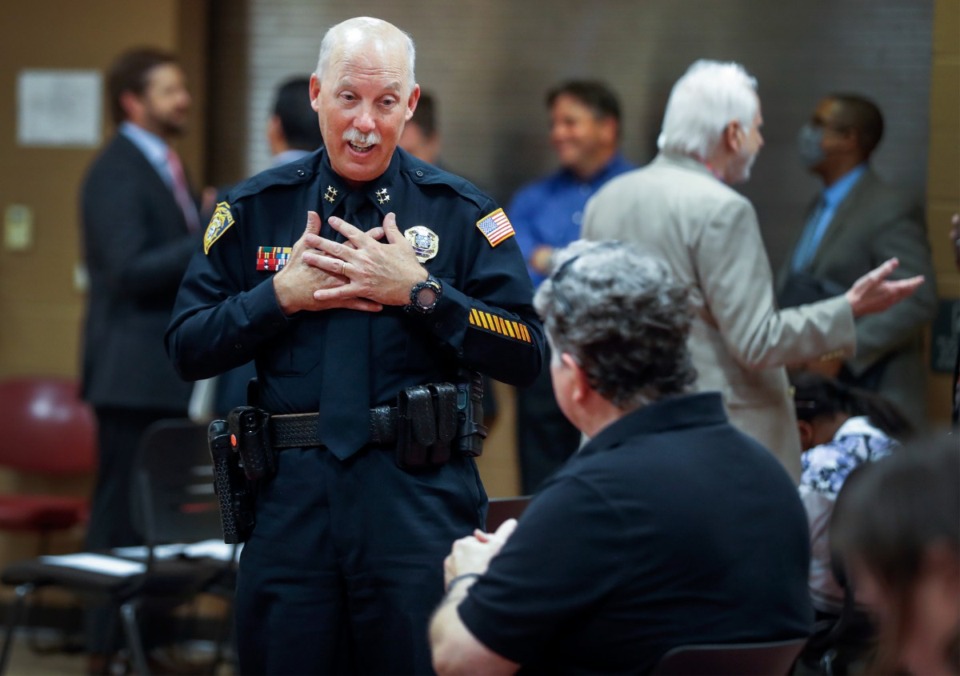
x,y
669,527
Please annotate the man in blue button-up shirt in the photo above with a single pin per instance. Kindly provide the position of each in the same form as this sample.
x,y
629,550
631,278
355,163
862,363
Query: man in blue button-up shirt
x,y
585,133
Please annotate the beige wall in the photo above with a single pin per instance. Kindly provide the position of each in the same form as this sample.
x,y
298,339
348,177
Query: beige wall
x,y
41,308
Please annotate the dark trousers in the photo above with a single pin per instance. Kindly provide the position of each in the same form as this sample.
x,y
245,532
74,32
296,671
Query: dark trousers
x,y
345,564
118,432
545,438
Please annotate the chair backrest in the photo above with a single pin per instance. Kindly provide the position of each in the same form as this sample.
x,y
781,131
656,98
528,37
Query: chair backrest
x,y
501,509
736,659
174,500
47,428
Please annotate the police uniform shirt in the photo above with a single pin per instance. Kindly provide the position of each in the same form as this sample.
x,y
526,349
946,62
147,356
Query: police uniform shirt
x,y
227,312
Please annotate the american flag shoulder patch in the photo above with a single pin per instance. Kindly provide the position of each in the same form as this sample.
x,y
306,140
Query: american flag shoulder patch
x,y
496,227
496,324
272,258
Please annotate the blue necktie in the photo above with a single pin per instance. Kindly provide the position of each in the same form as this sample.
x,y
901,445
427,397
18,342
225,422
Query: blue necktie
x,y
810,239
345,393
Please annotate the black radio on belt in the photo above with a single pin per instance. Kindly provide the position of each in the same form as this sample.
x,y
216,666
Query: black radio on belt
x,y
231,486
470,428
435,419
251,437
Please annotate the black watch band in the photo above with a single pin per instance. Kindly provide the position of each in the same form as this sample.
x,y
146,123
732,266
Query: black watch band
x,y
425,295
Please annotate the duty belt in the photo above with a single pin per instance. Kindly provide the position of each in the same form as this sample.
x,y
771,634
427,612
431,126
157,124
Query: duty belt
x,y
302,430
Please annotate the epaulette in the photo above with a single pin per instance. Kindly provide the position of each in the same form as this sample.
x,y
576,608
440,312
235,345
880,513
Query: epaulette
x,y
424,173
294,173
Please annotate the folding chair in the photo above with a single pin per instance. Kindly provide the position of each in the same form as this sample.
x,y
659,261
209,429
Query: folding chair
x,y
735,659
173,503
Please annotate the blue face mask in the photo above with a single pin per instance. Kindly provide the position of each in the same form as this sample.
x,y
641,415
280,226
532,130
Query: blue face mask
x,y
808,144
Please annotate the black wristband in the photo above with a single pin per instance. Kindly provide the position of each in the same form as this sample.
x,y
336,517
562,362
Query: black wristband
x,y
461,578
425,295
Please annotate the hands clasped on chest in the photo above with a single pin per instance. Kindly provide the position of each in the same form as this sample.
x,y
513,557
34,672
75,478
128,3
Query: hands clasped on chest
x,y
367,271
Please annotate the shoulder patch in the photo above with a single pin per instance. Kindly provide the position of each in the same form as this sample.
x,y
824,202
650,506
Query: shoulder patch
x,y
220,222
496,227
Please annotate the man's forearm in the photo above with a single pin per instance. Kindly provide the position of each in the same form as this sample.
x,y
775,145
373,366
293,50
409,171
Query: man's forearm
x,y
456,650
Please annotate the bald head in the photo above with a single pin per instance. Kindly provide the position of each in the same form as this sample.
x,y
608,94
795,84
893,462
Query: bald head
x,y
368,39
364,92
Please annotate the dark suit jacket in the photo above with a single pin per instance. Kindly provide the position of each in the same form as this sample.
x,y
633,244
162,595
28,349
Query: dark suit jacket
x,y
875,222
136,249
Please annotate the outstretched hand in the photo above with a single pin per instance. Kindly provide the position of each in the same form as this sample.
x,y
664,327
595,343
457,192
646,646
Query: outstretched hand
x,y
383,272
874,293
298,281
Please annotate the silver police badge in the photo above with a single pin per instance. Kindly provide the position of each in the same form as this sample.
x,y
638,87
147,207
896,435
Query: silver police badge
x,y
424,241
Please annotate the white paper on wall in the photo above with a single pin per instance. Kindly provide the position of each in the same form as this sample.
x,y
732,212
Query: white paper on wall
x,y
59,107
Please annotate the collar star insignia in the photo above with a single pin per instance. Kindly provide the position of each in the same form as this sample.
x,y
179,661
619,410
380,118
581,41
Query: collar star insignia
x,y
331,194
382,195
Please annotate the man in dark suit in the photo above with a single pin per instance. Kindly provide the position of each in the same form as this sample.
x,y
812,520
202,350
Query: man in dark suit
x,y
857,222
139,220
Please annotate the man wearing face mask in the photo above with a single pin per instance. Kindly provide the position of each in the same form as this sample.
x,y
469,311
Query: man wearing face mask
x,y
680,207
855,223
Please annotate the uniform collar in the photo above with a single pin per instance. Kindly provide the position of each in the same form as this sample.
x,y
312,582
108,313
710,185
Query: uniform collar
x,y
383,192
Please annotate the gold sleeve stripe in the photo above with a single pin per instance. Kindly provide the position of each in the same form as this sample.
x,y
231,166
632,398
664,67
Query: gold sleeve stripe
x,y
495,324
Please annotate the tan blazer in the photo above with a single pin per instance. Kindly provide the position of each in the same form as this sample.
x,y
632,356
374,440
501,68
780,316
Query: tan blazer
x,y
708,234
873,223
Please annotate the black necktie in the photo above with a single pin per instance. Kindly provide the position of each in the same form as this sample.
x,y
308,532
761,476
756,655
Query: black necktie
x,y
345,394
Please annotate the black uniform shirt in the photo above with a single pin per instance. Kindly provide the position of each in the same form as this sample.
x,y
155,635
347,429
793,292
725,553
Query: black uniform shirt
x,y
227,312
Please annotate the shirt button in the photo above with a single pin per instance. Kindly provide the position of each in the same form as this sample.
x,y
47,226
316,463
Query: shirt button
x,y
238,346
420,173
301,172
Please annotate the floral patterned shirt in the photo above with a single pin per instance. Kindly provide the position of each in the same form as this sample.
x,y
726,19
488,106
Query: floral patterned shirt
x,y
824,469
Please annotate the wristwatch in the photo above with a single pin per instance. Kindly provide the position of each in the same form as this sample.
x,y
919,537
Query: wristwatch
x,y
425,295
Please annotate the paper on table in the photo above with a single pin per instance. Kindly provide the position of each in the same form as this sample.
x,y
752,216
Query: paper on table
x,y
159,552
97,563
213,549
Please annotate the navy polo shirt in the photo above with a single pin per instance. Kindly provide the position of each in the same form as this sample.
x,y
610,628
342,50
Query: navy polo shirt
x,y
670,527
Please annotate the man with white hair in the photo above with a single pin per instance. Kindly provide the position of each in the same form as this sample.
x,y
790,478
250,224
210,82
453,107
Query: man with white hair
x,y
681,207
669,527
368,331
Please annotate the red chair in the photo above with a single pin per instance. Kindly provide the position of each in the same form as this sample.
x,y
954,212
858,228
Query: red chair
x,y
48,431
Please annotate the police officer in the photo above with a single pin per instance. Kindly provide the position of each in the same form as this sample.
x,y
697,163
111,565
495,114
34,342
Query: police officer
x,y
404,276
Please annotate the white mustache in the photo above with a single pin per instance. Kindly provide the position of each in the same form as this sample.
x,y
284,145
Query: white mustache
x,y
361,139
